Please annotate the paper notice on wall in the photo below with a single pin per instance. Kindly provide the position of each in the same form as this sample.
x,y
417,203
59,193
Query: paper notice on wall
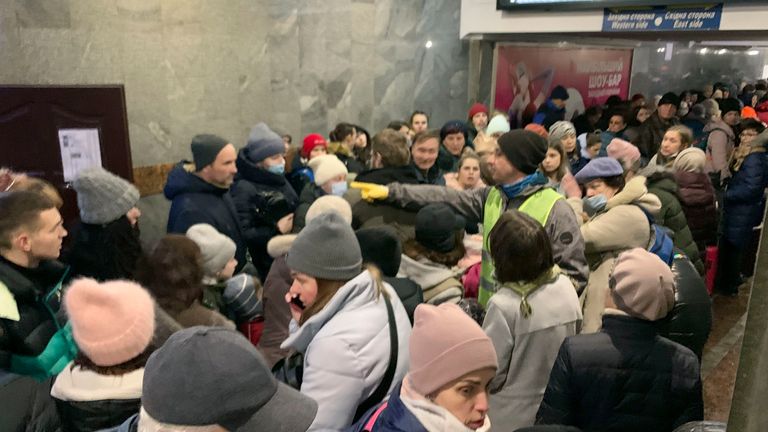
x,y
80,149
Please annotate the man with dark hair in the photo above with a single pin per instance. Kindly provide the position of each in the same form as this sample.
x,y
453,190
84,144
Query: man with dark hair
x,y
31,233
199,191
553,110
399,126
652,131
424,152
519,186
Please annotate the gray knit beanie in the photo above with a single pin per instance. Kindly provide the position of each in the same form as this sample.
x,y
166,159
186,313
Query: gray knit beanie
x,y
216,248
326,248
205,149
263,143
102,196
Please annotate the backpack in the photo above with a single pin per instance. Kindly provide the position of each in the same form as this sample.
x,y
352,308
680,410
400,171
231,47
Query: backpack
x,y
661,243
702,142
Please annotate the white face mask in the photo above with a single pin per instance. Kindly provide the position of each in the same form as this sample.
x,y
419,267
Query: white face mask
x,y
339,188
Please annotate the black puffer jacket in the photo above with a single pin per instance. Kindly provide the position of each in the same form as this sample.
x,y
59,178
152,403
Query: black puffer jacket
x,y
30,334
95,415
624,378
690,321
105,252
308,196
261,199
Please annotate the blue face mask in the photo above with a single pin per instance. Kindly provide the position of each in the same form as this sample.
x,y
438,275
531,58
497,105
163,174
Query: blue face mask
x,y
339,188
594,204
277,169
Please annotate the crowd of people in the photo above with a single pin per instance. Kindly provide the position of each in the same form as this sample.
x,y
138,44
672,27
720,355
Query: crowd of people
x,y
469,278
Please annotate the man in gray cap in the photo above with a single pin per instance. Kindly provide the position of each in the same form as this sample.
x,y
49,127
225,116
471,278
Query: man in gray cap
x,y
518,186
199,191
213,380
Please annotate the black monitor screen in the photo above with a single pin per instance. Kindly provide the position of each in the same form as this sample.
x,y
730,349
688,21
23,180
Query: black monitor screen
x,y
559,5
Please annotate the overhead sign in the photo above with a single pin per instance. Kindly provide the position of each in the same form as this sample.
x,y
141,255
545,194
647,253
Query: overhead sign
x,y
664,18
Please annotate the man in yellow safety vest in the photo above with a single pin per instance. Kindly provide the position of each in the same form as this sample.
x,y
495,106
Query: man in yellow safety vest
x,y
518,186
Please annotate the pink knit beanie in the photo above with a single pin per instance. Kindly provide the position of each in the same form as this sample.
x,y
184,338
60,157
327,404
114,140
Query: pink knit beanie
x,y
623,151
112,322
445,345
642,285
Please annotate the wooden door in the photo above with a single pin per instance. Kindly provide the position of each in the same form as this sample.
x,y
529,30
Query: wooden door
x,y
32,116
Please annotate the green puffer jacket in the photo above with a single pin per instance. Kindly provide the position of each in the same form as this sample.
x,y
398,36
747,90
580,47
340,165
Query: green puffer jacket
x,y
662,184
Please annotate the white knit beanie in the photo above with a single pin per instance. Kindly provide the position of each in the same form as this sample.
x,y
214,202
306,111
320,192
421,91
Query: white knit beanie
x,y
326,167
216,248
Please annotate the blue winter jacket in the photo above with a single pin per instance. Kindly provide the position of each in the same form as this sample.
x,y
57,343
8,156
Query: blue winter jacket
x,y
548,114
395,417
194,201
745,199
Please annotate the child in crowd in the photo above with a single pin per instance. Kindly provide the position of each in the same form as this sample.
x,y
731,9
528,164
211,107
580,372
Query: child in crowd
x,y
106,244
173,272
446,389
564,133
468,177
676,139
527,319
555,167
113,324
235,297
330,178
430,259
592,145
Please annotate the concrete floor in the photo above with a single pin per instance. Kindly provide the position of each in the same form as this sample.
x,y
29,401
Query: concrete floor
x,y
721,353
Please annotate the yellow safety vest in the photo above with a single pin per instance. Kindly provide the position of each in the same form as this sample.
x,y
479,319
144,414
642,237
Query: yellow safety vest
x,y
538,206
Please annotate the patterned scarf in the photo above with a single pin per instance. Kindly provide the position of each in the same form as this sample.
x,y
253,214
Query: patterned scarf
x,y
524,289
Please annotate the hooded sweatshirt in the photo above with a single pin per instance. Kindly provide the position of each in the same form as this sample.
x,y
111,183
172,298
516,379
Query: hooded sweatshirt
x,y
439,283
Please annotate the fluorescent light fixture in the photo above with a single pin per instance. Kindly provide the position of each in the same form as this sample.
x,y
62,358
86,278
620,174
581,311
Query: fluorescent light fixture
x,y
722,51
660,50
703,51
753,52
428,44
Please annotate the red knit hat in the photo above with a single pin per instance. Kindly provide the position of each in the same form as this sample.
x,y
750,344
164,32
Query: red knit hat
x,y
476,109
310,142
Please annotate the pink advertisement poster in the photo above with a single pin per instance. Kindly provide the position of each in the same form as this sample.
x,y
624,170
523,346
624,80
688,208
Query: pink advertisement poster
x,y
525,76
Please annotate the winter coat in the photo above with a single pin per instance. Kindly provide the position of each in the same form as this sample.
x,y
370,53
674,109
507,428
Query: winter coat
x,y
438,283
697,198
27,405
433,176
562,225
721,140
662,184
549,114
622,225
27,326
384,176
346,350
308,196
526,348
195,201
696,126
105,252
400,415
651,133
198,315
261,199
277,313
745,200
762,111
605,138
624,378
690,322
448,162
88,401
369,215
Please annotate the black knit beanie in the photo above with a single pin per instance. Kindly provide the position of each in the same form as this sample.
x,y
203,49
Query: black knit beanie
x,y
524,149
381,246
728,105
205,148
670,98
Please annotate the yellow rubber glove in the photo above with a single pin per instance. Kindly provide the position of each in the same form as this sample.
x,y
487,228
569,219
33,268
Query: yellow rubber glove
x,y
371,191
